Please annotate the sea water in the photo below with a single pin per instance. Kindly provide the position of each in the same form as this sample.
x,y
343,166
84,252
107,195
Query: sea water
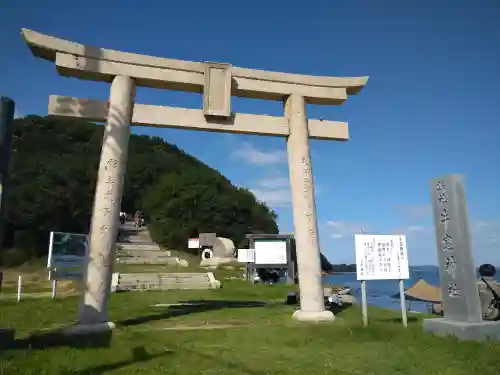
x,y
381,293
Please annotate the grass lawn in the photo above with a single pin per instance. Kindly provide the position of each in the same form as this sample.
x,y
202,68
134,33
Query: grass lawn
x,y
236,337
34,278
35,275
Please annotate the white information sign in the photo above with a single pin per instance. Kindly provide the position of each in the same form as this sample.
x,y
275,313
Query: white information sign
x,y
193,243
246,255
381,257
270,252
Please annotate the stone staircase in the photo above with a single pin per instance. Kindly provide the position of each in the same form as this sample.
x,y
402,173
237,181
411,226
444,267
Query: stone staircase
x,y
166,281
137,247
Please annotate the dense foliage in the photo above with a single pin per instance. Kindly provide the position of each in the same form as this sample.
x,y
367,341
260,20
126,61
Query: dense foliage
x,y
198,200
53,174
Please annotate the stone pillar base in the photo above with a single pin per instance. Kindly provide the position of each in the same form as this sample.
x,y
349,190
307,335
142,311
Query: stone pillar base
x,y
84,329
464,331
313,316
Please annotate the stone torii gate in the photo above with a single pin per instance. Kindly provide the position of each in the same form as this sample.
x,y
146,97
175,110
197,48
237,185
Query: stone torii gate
x,y
217,82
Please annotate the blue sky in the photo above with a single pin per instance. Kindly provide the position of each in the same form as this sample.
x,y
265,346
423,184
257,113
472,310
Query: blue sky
x,y
431,106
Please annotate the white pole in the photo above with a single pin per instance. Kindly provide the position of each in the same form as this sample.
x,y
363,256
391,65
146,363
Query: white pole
x,y
19,283
403,303
54,288
51,245
364,305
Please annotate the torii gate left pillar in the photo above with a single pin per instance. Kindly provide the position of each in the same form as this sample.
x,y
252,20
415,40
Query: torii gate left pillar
x,y
217,82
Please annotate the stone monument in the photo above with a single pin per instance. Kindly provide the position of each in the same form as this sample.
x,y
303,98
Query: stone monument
x,y
217,82
221,252
463,315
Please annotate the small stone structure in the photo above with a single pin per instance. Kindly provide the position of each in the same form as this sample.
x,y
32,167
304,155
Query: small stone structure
x,y
222,252
463,316
218,83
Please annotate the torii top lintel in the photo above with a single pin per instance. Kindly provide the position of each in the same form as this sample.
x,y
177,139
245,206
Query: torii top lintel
x,y
100,64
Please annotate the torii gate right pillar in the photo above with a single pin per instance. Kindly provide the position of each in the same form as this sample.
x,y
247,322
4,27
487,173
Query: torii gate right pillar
x,y
312,305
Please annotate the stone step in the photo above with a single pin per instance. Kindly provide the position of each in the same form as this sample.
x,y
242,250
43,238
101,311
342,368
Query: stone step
x,y
142,250
145,287
134,233
165,285
197,280
165,281
145,255
135,240
179,275
138,247
142,260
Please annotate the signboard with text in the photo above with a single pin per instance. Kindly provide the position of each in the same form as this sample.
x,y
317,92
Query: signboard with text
x,y
193,243
381,257
271,252
66,274
67,254
246,255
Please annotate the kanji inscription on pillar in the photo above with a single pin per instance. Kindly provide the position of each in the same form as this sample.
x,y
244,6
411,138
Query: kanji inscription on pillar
x,y
456,265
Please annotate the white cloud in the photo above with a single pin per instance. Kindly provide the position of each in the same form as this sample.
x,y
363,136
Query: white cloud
x,y
343,229
416,212
273,198
416,228
411,230
485,237
274,182
274,191
486,231
250,154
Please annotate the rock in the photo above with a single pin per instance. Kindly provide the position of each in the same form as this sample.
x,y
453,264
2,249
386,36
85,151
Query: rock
x,y
223,248
347,299
330,296
344,291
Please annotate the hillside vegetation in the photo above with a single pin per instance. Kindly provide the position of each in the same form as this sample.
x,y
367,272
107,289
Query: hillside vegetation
x,y
53,173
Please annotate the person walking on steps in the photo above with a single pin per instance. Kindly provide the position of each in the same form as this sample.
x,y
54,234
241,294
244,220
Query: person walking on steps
x,y
138,220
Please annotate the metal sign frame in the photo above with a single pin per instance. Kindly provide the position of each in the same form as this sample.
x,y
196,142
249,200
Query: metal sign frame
x,y
290,265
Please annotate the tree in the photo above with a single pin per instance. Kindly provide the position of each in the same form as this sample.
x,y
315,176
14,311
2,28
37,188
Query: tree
x,y
196,200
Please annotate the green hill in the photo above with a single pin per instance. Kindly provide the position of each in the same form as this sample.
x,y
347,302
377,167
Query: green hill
x,y
53,174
